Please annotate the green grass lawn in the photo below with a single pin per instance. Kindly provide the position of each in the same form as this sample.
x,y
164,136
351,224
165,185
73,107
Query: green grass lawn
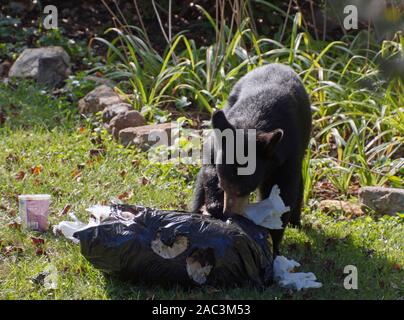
x,y
56,158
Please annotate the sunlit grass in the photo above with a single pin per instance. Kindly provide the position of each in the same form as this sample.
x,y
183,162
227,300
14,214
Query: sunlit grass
x,y
357,140
324,245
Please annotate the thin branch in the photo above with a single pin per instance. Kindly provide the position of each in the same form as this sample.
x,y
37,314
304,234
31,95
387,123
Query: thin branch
x,y
169,21
160,23
325,21
142,24
286,20
313,18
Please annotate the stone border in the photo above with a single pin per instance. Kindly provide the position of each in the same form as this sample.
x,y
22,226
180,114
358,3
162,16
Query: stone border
x,y
126,125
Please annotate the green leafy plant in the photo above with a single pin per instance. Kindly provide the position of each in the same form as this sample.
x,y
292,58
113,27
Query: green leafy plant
x,y
357,113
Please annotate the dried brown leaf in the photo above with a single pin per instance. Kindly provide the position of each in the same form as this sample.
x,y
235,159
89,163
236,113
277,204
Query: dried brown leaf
x,y
36,169
20,175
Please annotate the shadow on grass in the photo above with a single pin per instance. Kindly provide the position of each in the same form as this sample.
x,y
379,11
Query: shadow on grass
x,y
325,256
25,104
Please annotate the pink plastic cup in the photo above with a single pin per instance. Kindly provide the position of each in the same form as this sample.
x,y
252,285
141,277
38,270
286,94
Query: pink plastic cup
x,y
34,210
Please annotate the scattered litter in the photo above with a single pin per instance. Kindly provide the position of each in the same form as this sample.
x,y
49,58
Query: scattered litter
x,y
47,278
99,213
68,228
65,210
172,247
34,210
286,278
268,213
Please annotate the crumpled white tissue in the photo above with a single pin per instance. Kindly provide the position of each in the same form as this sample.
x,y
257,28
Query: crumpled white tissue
x,y
98,214
68,228
268,212
286,278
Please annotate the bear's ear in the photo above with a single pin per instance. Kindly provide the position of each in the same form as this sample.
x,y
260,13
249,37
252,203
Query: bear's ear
x,y
267,142
220,122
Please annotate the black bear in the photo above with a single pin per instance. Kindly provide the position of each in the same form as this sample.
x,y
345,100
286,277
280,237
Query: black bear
x,y
272,100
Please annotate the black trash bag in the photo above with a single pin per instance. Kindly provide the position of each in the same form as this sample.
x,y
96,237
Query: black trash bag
x,y
157,247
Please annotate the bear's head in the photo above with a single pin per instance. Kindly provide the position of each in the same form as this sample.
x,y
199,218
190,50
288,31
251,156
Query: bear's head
x,y
244,159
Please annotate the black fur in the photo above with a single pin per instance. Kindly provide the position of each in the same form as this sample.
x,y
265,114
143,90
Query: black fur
x,y
272,100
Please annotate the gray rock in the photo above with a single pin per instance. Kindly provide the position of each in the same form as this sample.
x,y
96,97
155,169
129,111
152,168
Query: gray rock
x,y
98,99
51,71
125,120
145,136
382,200
115,109
54,63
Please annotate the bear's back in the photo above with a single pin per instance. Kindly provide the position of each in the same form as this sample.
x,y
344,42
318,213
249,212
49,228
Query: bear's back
x,y
267,95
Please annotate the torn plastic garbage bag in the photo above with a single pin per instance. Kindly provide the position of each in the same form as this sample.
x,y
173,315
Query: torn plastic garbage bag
x,y
170,247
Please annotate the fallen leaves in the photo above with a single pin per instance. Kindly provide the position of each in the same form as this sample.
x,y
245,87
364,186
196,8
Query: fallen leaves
x,y
8,250
14,225
144,181
65,210
36,169
12,158
38,244
20,175
37,241
125,195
